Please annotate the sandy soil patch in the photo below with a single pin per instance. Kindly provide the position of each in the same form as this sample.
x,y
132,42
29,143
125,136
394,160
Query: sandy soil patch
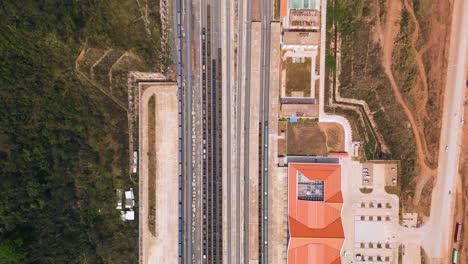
x,y
282,134
162,246
298,77
311,138
334,133
306,138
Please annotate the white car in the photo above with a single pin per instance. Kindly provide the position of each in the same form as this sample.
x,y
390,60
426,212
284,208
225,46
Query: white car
x,y
446,148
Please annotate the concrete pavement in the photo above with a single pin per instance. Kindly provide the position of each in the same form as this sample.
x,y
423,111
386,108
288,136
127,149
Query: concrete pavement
x,y
323,117
162,247
435,236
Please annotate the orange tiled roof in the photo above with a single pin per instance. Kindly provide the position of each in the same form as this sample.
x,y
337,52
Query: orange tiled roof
x,y
284,8
316,230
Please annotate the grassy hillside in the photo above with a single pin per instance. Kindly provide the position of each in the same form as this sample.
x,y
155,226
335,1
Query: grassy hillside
x,y
362,77
63,144
417,64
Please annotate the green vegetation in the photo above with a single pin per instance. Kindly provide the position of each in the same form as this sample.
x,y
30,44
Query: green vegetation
x,y
366,190
63,144
152,173
277,6
330,63
400,254
282,130
422,10
298,77
362,77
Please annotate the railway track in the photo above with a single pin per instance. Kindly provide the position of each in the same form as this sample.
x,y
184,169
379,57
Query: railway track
x,y
212,150
180,134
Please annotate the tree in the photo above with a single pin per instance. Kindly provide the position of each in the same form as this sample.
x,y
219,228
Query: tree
x,y
11,251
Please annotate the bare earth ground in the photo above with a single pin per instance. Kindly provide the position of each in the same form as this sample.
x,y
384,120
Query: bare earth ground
x,y
306,139
161,248
152,158
282,135
311,138
298,77
423,104
387,34
334,134
254,142
277,184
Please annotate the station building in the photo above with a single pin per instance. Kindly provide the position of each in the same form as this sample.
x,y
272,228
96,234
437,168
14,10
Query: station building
x,y
314,213
300,47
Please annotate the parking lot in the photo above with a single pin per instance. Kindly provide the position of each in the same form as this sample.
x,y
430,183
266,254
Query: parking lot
x,y
370,220
386,175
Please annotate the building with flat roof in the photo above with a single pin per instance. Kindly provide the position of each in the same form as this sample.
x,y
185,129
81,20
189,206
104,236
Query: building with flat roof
x,y
303,4
298,38
300,14
286,5
129,199
314,213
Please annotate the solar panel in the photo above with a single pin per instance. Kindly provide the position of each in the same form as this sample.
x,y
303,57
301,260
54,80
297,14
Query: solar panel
x,y
310,190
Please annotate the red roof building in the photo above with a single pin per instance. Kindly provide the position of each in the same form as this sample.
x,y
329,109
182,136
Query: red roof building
x,y
314,205
283,8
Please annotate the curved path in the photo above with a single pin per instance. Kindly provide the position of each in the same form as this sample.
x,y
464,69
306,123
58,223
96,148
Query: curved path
x,y
323,117
436,235
387,36
419,62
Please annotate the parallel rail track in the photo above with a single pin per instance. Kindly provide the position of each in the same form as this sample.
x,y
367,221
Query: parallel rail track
x,y
212,150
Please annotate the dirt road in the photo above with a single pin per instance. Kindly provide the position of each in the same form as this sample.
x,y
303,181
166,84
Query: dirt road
x,y
419,61
161,248
386,35
435,236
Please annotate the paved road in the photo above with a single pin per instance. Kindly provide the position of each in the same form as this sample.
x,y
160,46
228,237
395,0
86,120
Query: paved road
x,y
238,158
242,135
442,209
245,64
436,235
323,117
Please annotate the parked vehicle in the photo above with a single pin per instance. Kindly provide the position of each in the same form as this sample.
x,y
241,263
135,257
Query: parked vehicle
x,y
454,256
458,231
